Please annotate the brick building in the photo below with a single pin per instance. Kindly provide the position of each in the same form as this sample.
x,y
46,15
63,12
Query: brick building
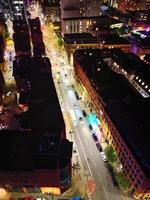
x,y
122,112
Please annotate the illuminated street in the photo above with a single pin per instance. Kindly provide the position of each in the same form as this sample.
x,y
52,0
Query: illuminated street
x,y
74,100
93,166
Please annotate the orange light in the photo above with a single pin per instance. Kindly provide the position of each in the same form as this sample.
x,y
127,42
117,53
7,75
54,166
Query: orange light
x,y
53,190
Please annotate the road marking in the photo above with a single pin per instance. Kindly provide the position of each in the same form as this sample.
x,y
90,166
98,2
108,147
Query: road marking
x,y
105,192
78,137
99,176
84,154
94,162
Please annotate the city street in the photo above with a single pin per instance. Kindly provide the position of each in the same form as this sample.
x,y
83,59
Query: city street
x,y
94,168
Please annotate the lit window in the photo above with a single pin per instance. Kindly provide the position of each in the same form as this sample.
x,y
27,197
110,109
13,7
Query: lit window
x,y
67,27
98,69
90,54
149,90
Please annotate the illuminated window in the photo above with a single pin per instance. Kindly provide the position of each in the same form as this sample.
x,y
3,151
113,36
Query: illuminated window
x,y
67,27
149,90
98,69
90,54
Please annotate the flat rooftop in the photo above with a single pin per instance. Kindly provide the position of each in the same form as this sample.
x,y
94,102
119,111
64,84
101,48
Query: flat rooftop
x,y
44,107
80,38
141,39
99,19
22,151
128,110
114,39
133,65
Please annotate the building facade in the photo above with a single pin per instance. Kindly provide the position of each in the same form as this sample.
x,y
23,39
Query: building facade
x,y
134,165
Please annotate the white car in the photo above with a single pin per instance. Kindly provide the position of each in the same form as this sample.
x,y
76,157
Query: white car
x,y
103,156
75,106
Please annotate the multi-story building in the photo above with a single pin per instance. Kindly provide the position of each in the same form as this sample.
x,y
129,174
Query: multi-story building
x,y
134,69
125,5
146,58
37,156
114,41
79,41
86,41
92,24
78,9
140,42
123,114
51,9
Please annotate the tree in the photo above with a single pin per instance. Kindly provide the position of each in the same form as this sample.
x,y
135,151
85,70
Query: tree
x,y
110,154
122,180
60,41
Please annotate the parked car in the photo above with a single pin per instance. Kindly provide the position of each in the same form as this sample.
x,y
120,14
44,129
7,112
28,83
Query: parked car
x,y
81,120
103,156
95,138
84,113
90,127
99,147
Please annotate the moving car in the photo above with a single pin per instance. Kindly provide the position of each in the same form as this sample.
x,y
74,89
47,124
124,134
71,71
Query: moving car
x,y
95,138
103,156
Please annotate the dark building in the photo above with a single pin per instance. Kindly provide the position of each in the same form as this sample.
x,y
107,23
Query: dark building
x,y
141,42
21,37
123,114
36,157
37,36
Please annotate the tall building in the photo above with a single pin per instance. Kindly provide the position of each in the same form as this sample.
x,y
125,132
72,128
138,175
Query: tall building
x,y
125,5
79,9
37,156
122,111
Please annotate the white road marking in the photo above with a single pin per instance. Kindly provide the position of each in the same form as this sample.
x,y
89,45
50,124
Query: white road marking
x,y
94,162
79,137
99,176
105,192
84,154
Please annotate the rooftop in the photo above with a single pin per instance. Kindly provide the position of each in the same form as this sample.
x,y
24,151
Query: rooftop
x,y
44,107
21,151
141,38
114,39
127,109
80,38
133,65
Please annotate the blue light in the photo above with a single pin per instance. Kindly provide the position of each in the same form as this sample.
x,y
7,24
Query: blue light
x,y
93,119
